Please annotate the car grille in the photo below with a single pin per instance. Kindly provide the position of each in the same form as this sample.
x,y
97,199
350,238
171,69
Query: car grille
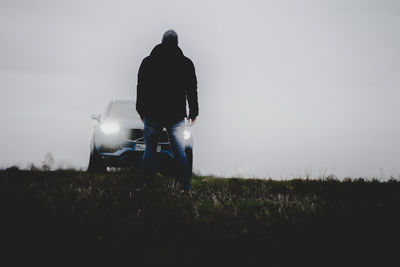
x,y
135,134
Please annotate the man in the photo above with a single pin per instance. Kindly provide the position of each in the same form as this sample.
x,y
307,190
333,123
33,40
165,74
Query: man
x,y
166,79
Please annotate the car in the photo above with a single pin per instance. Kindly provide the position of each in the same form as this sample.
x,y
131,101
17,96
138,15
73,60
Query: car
x,y
118,141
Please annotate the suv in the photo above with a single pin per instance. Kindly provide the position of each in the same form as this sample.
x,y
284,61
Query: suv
x,y
118,141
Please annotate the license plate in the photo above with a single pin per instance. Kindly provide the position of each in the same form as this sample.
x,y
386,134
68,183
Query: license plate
x,y
142,147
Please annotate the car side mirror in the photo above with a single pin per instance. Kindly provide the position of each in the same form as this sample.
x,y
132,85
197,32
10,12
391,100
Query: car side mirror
x,y
95,117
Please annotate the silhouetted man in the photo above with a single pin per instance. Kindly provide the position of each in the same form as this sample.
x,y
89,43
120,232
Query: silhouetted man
x,y
166,79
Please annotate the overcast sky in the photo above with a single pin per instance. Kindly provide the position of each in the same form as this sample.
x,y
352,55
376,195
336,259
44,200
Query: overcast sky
x,y
286,88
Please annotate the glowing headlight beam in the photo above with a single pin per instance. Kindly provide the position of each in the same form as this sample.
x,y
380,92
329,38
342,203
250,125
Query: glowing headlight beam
x,y
186,134
109,127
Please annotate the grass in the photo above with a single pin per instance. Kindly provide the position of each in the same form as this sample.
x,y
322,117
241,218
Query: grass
x,y
98,216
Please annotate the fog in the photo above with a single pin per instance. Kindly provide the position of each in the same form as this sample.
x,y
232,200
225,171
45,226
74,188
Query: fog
x,y
286,88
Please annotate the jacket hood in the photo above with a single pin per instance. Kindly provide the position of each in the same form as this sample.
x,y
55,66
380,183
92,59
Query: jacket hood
x,y
162,50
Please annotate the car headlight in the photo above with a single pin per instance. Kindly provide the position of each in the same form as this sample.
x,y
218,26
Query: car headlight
x,y
186,134
109,127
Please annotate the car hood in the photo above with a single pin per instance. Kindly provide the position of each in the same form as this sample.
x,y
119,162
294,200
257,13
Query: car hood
x,y
128,123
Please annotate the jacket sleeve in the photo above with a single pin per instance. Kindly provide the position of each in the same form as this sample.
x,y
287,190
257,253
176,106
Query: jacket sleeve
x,y
141,83
191,92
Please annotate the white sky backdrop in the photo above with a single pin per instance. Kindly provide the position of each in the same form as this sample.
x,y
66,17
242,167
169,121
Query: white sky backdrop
x,y
286,88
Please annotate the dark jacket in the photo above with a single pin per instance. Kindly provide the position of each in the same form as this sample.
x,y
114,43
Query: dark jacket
x,y
166,79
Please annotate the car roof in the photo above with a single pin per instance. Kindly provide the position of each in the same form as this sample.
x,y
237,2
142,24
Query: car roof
x,y
122,101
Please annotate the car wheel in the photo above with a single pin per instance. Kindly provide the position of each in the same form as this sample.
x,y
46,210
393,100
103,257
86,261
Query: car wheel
x,y
96,164
189,156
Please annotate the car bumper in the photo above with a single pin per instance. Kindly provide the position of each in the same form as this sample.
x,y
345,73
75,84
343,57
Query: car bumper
x,y
130,156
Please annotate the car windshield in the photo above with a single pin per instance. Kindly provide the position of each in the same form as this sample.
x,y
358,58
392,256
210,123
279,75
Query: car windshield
x,y
123,109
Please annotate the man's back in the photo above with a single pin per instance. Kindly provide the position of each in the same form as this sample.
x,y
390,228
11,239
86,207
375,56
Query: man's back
x,y
166,79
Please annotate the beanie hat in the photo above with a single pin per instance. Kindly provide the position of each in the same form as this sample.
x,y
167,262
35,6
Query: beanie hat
x,y
170,37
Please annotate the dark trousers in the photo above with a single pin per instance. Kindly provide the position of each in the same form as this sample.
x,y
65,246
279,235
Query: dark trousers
x,y
151,132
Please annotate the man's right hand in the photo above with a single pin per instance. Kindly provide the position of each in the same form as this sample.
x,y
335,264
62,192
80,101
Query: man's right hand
x,y
191,121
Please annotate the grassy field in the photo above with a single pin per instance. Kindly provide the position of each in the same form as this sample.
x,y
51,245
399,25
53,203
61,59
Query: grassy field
x,y
69,215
